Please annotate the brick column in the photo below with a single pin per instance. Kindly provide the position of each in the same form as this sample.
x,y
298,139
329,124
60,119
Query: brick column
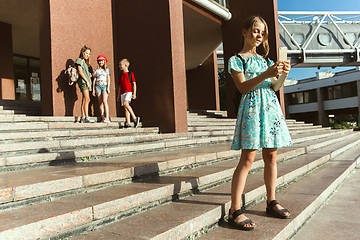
x,y
65,27
322,116
7,84
151,35
203,85
231,32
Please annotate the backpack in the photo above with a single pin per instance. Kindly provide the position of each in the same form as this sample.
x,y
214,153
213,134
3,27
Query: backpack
x,y
132,83
237,96
72,74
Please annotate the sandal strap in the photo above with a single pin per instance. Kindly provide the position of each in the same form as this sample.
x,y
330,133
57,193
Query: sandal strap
x,y
247,221
282,211
235,214
272,204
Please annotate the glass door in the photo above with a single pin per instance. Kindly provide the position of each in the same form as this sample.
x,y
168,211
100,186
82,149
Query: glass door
x,y
27,78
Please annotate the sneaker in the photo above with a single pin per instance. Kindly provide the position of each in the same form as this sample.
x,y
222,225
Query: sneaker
x,y
127,125
136,122
106,120
88,120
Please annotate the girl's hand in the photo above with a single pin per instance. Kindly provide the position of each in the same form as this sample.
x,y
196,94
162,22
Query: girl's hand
x,y
275,70
133,96
108,90
93,93
286,67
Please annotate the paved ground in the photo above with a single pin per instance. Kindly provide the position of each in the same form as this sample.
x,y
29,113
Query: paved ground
x,y
339,218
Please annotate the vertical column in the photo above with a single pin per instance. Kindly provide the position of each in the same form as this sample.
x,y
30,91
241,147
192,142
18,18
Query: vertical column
x,y
322,117
151,35
7,84
231,32
203,85
65,27
358,94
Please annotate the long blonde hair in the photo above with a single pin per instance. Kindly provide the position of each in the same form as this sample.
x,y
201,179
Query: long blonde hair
x,y
249,24
81,55
103,67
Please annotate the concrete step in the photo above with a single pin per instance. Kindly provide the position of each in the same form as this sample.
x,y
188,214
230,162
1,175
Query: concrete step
x,y
6,112
334,214
46,151
24,118
36,183
85,210
22,106
157,143
214,127
210,120
187,217
303,198
17,154
213,113
33,135
55,144
36,126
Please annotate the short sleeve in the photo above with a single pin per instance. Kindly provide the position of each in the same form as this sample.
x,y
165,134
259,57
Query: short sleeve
x,y
108,71
271,62
78,61
133,77
236,64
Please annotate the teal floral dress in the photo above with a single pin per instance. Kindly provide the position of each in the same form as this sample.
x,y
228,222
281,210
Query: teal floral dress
x,y
260,122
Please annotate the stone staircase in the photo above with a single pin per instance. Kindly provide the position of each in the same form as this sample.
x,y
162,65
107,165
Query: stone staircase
x,y
61,179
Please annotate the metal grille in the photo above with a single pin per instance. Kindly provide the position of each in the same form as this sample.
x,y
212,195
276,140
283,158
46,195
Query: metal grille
x,y
321,39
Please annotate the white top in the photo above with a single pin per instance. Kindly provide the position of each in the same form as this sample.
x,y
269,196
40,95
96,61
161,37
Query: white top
x,y
100,76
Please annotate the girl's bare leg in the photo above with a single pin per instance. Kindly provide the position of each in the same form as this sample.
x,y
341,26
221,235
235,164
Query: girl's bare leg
x,y
238,181
270,174
85,104
101,105
105,105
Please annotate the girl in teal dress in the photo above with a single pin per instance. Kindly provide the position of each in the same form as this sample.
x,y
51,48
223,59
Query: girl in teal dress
x,y
260,122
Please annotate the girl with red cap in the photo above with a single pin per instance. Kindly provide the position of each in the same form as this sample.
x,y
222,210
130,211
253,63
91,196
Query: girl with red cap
x,y
101,86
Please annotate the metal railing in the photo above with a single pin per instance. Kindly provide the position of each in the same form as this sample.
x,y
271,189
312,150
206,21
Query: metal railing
x,y
321,38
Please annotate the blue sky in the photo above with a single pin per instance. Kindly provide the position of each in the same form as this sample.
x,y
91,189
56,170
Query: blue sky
x,y
316,5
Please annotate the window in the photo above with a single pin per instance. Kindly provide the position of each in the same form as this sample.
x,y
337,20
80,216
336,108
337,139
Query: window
x,y
303,97
341,91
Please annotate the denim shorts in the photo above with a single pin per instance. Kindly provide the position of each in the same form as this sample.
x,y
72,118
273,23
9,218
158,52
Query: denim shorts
x,y
100,88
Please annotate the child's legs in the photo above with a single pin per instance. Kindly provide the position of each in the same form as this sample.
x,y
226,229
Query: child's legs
x,y
239,177
105,104
101,105
270,172
127,116
128,111
85,103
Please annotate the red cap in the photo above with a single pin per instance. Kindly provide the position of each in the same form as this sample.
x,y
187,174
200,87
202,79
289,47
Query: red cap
x,y
101,57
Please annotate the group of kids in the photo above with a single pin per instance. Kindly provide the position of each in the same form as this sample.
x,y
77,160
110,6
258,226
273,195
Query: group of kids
x,y
98,81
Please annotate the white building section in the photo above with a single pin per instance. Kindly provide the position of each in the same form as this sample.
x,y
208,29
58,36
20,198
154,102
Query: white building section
x,y
314,99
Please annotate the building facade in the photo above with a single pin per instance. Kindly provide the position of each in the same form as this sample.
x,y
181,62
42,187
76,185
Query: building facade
x,y
170,44
327,94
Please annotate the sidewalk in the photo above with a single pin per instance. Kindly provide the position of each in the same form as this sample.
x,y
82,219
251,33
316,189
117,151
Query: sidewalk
x,y
339,218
